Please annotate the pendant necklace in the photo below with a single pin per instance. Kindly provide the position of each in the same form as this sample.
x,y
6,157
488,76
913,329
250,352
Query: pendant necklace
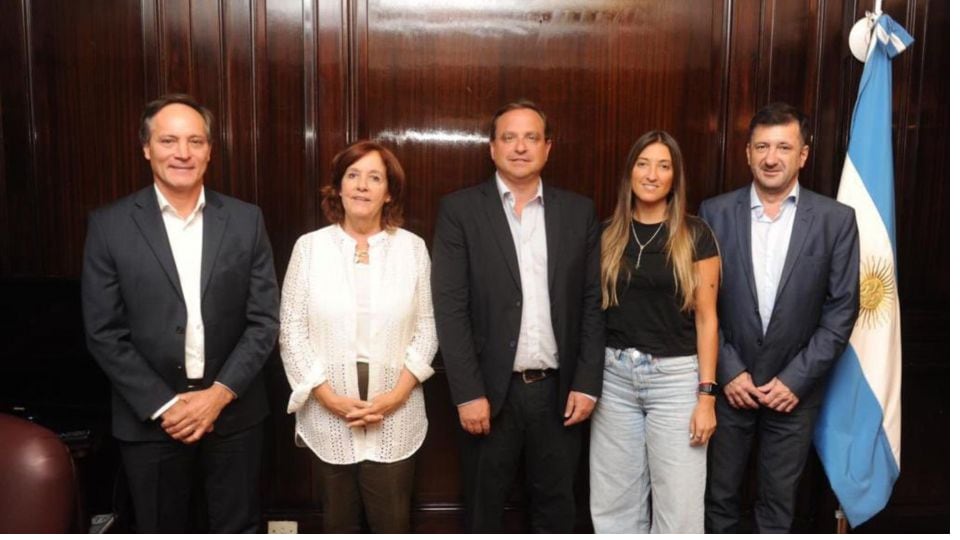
x,y
633,229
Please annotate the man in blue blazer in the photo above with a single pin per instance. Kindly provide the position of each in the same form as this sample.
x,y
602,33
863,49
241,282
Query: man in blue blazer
x,y
180,307
788,302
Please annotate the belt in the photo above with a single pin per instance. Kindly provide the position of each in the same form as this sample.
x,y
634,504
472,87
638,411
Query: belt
x,y
194,384
534,375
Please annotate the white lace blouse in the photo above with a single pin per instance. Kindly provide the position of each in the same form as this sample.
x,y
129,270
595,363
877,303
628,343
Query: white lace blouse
x,y
318,331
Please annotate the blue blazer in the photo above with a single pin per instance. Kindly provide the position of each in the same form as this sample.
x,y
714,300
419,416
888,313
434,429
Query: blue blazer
x,y
135,315
817,300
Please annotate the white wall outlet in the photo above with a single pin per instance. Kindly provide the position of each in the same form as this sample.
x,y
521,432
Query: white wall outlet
x,y
281,527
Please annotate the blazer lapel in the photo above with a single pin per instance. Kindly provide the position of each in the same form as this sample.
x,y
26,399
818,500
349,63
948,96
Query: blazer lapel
x,y
744,225
501,229
798,238
146,215
214,225
553,221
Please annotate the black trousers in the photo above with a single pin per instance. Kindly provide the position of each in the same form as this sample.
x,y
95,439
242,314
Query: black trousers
x,y
784,444
530,426
161,477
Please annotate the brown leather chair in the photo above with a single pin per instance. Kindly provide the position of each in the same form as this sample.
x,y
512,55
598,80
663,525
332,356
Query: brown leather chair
x,y
38,490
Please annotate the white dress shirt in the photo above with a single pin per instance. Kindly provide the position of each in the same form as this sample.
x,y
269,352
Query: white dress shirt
x,y
769,240
318,340
537,345
186,242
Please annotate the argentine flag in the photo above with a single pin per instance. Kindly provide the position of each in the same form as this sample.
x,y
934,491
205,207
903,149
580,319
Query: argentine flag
x,y
858,433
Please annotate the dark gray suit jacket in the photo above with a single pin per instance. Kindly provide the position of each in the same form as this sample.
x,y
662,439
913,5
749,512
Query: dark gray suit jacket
x,y
478,300
817,299
135,315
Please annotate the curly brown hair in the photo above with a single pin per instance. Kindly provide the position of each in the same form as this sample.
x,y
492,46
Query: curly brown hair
x,y
392,216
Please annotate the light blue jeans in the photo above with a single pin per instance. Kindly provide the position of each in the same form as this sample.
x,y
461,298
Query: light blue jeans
x,y
640,446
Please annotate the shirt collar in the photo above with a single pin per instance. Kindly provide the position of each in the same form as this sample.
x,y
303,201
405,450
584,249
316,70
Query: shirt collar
x,y
755,203
165,204
506,194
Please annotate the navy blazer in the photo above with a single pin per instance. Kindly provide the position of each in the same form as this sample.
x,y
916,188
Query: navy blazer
x,y
135,315
478,299
817,299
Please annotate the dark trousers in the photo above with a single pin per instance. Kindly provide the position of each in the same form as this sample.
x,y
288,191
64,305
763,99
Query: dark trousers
x,y
161,476
784,444
381,491
528,425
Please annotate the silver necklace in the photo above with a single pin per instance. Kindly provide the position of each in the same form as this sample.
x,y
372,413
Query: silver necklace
x,y
633,229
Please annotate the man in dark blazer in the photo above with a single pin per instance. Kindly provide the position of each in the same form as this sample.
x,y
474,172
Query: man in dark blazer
x,y
788,302
516,288
180,307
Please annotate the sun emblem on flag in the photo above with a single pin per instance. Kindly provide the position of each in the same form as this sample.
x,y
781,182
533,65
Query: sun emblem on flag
x,y
876,291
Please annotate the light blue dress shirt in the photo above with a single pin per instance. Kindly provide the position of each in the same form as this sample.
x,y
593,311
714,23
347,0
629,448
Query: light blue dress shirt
x,y
769,240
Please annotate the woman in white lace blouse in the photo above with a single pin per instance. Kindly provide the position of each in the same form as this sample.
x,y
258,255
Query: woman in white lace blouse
x,y
357,337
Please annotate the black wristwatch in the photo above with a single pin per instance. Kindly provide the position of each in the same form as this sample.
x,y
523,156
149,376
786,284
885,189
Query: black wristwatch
x,y
708,388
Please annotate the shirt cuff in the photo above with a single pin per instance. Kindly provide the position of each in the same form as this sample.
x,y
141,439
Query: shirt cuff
x,y
235,396
471,401
300,394
592,398
417,367
166,406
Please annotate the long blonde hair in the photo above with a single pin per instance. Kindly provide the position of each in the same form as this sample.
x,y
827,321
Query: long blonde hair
x,y
680,243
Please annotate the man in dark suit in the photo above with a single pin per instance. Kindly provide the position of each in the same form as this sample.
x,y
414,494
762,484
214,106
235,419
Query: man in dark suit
x,y
516,288
180,307
788,301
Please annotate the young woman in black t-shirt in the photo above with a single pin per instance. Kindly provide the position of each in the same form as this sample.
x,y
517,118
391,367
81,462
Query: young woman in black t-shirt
x,y
660,273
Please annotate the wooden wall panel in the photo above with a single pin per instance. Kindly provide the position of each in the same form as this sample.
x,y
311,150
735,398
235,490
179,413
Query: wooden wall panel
x,y
18,195
237,119
742,94
86,96
831,98
292,81
280,97
331,94
605,72
282,189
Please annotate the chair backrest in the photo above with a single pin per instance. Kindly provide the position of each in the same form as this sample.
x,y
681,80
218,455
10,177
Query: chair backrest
x,y
38,487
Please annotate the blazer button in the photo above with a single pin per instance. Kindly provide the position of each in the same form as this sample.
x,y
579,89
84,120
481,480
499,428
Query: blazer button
x,y
518,303
179,367
759,343
180,330
513,344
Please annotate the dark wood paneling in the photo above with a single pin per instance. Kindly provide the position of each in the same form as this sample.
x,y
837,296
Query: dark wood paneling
x,y
238,142
742,94
292,81
832,107
281,190
605,72
281,184
922,162
86,99
19,191
175,43
331,96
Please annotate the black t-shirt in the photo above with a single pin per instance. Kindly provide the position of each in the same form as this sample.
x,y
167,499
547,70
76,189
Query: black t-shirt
x,y
648,317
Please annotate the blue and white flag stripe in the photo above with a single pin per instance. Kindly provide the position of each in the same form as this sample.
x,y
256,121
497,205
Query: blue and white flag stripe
x,y
858,433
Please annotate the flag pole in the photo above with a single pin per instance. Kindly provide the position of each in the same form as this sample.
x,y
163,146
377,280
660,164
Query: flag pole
x,y
843,526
